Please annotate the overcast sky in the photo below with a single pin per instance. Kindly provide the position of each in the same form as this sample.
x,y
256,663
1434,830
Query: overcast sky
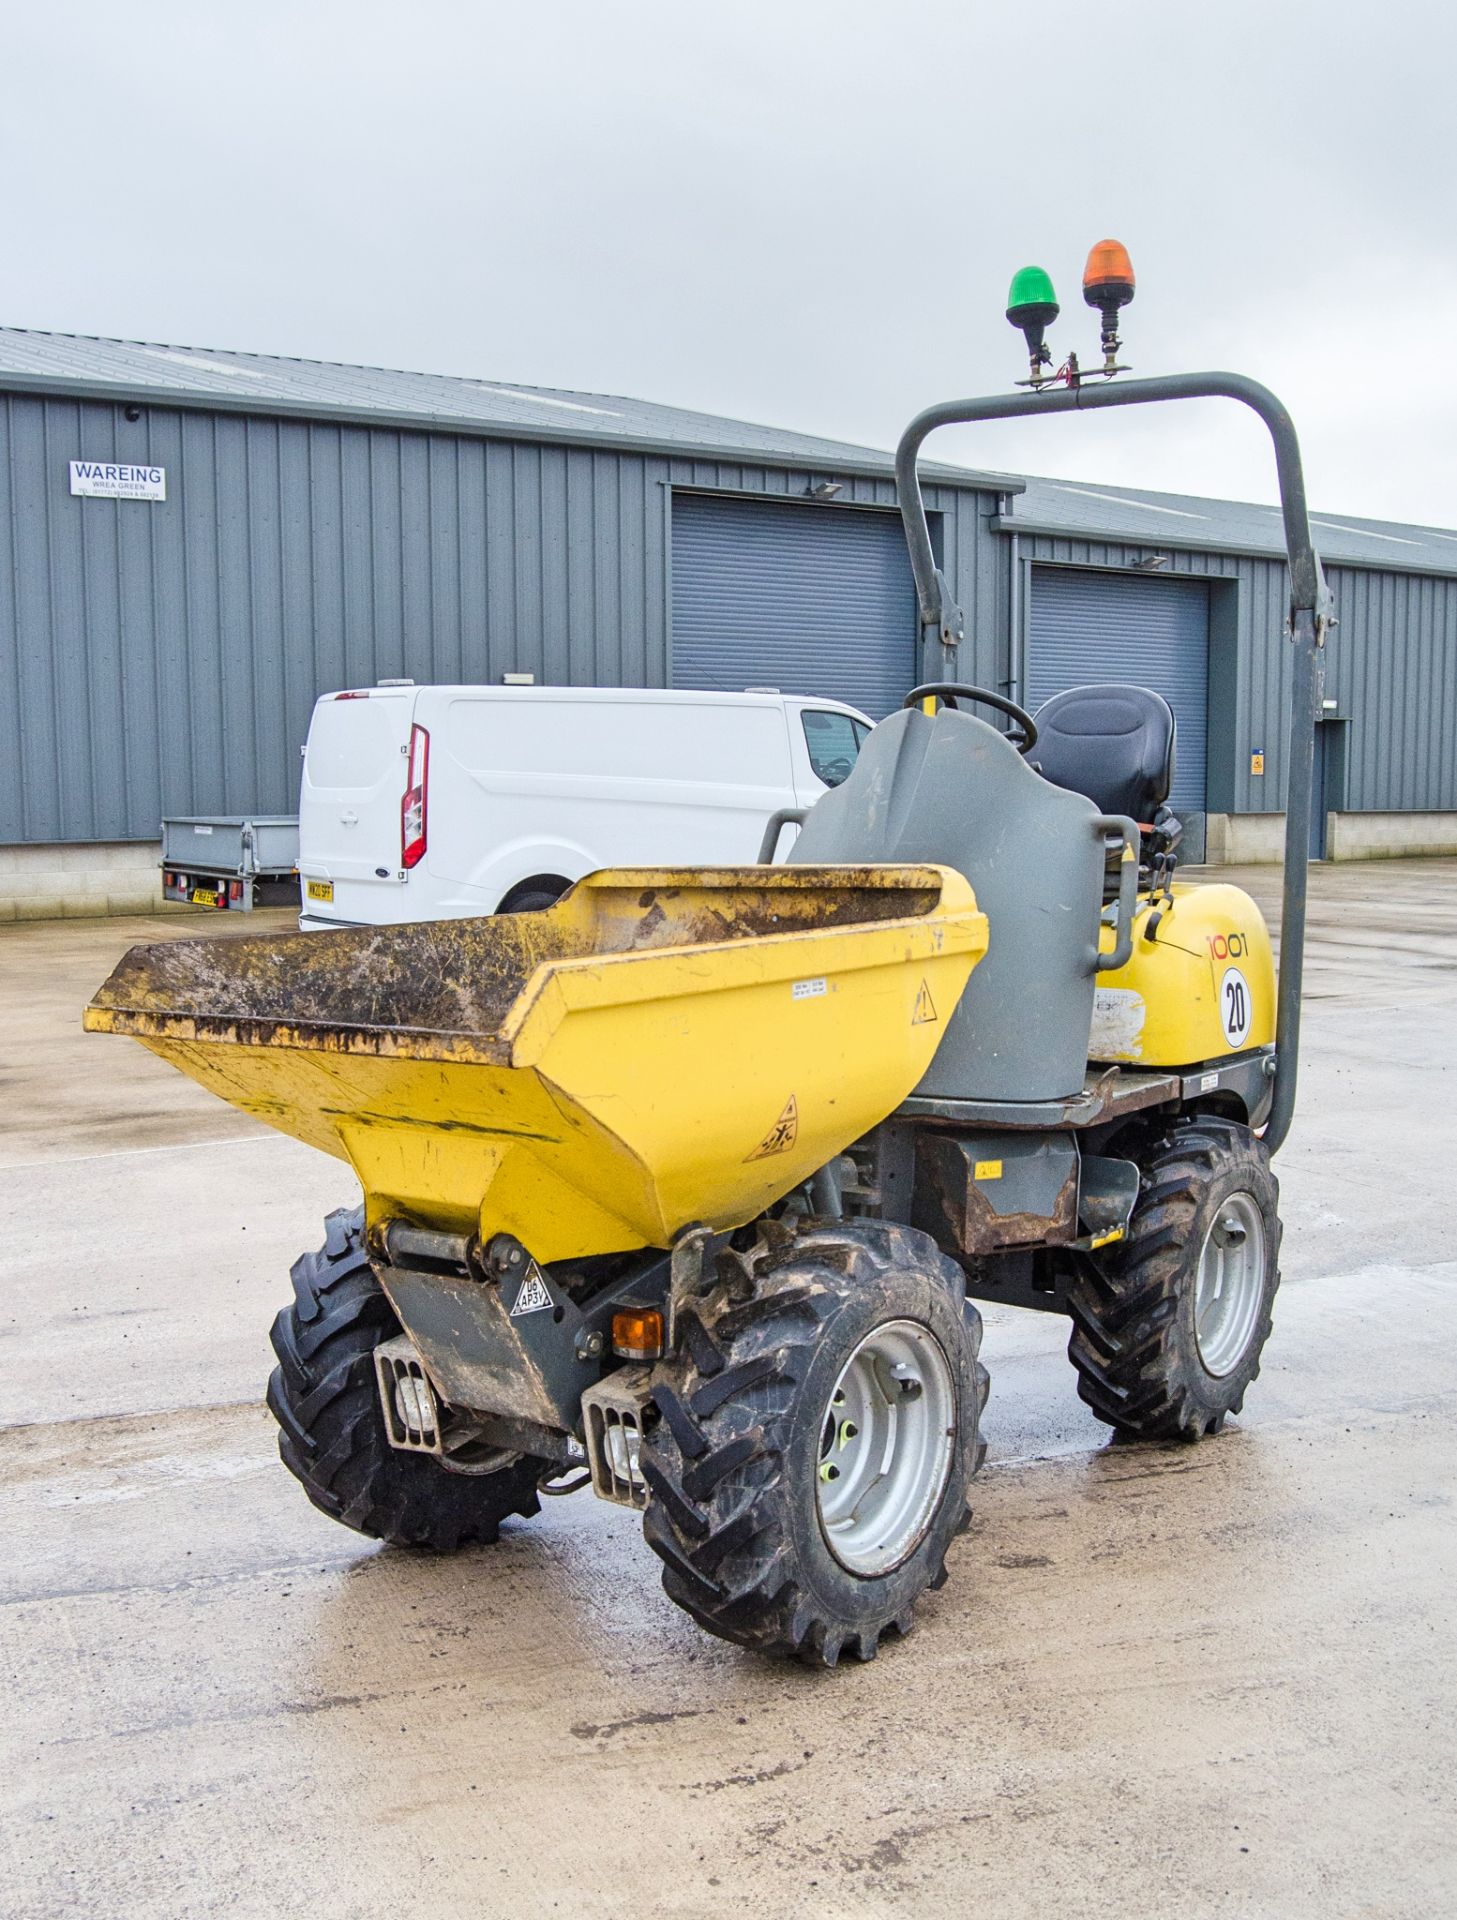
x,y
799,212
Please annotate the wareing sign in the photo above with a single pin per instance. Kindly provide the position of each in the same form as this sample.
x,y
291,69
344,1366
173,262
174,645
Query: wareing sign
x,y
107,480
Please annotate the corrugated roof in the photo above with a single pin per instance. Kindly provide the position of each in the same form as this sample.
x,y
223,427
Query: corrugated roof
x,y
1079,509
217,377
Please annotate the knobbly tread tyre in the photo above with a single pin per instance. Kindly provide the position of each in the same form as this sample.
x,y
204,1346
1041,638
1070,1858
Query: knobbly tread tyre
x,y
738,1404
1132,1339
331,1430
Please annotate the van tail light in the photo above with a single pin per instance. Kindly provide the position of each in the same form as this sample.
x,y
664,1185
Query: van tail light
x,y
414,806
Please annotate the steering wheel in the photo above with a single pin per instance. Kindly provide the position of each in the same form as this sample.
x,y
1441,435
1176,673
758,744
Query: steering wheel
x,y
1025,738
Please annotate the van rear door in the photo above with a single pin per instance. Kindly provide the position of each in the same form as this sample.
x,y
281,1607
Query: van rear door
x,y
355,770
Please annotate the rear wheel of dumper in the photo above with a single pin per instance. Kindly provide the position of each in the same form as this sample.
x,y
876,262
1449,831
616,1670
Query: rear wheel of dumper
x,y
816,1433
1168,1326
324,1396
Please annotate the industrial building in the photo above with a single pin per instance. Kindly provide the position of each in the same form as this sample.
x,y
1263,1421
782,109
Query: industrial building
x,y
195,543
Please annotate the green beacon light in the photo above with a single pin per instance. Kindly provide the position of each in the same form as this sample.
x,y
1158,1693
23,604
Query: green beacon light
x,y
1032,307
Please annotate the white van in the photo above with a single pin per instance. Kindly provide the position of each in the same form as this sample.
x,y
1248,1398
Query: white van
x,y
428,803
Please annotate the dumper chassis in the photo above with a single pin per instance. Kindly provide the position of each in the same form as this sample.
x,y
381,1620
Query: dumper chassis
x,y
771,1348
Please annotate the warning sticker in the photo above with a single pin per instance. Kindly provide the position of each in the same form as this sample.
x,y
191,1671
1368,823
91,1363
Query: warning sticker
x,y
781,1136
533,1297
925,1012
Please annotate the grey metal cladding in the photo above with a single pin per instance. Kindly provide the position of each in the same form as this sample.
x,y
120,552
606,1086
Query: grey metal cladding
x,y
1393,675
163,658
220,380
1391,668
328,526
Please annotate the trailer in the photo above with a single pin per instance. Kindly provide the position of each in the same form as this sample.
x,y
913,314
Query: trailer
x,y
230,862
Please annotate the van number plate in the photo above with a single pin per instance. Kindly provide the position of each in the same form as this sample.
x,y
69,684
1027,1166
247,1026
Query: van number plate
x,y
321,889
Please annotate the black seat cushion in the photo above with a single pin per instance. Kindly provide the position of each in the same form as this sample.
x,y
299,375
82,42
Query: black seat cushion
x,y
1115,744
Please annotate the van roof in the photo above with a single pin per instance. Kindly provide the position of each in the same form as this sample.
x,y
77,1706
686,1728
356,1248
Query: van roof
x,y
631,696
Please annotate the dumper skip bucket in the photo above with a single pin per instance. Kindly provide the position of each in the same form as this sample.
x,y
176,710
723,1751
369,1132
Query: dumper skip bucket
x,y
662,1047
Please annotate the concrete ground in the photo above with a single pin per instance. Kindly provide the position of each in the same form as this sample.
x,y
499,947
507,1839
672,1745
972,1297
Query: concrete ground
x,y
1161,1681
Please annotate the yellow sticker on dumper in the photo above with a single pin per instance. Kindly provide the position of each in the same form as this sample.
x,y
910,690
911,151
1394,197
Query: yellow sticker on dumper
x,y
988,1170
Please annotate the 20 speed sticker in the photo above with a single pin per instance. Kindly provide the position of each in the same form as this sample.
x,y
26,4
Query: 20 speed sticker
x,y
1235,1010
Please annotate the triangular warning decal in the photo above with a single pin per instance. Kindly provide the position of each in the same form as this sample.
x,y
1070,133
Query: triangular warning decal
x,y
925,1013
781,1136
533,1296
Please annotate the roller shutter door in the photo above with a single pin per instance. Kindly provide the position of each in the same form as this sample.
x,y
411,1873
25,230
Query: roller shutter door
x,y
1091,627
812,600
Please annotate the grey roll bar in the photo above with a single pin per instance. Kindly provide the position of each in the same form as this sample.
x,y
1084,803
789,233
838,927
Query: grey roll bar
x,y
1311,612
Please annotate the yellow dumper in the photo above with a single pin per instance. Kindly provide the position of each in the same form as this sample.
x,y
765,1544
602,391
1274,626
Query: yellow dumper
x,y
660,1049
532,1101
684,1187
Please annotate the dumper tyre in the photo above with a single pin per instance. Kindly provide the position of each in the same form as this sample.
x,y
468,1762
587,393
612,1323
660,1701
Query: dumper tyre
x,y
743,1462
324,1396
1169,1325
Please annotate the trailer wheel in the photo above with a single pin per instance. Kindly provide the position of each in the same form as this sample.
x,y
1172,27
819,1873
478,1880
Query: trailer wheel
x,y
324,1397
817,1430
1168,1329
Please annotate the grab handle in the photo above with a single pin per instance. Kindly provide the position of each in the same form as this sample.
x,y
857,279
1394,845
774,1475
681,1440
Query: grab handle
x,y
1105,826
773,827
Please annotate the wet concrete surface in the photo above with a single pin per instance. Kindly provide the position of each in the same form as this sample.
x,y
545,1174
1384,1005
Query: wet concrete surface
x,y
1185,1681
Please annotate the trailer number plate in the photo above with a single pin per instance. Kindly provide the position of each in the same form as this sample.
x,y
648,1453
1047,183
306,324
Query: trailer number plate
x,y
204,897
321,889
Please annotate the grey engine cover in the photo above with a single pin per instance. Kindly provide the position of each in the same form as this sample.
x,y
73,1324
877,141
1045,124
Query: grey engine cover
x,y
950,789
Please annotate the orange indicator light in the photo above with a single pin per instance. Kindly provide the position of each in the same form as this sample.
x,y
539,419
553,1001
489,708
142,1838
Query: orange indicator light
x,y
637,1333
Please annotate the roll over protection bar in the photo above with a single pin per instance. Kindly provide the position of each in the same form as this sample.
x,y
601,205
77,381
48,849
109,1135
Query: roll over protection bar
x,y
1311,613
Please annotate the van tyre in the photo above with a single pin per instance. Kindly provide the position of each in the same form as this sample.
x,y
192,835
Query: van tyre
x,y
813,1360
332,1434
534,896
1168,1326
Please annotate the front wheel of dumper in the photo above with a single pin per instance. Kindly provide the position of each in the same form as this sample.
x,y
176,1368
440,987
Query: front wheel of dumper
x,y
816,1433
324,1395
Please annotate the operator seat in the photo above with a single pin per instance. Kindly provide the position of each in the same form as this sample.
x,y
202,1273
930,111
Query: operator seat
x,y
948,788
1118,745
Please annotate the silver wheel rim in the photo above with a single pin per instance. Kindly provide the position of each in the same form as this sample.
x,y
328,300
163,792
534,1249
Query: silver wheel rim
x,y
886,1445
1231,1284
